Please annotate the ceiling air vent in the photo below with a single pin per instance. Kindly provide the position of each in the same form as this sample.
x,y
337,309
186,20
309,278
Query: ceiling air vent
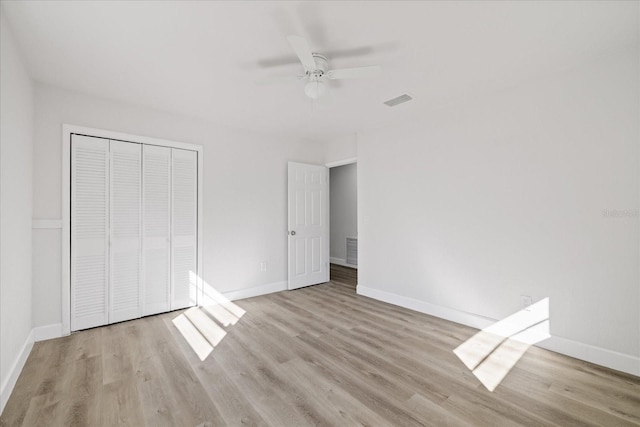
x,y
398,100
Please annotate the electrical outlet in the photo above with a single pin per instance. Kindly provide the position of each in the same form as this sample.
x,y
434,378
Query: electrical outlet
x,y
525,301
263,266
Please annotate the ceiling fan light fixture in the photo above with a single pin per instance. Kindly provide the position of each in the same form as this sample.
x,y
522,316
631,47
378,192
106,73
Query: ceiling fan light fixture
x,y
317,72
315,88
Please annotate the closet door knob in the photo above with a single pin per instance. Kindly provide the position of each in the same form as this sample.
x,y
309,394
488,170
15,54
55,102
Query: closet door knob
x,y
293,233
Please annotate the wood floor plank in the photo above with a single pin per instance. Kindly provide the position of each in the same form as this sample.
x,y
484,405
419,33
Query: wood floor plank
x,y
255,383
156,397
39,412
320,355
438,416
364,384
226,396
116,359
121,404
343,407
622,405
193,403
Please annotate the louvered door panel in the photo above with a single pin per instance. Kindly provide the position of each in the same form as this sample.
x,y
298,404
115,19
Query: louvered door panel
x,y
184,173
126,188
156,229
89,231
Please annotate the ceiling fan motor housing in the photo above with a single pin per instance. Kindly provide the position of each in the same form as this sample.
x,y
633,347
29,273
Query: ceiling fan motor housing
x,y
315,87
321,66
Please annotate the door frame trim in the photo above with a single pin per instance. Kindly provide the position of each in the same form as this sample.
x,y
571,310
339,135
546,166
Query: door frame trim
x,y
67,131
331,165
343,162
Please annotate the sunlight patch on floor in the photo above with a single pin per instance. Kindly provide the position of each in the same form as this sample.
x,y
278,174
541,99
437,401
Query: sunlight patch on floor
x,y
203,327
493,352
198,343
207,327
221,314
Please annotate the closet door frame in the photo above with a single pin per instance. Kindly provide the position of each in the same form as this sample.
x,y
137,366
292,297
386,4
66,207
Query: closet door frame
x,y
67,131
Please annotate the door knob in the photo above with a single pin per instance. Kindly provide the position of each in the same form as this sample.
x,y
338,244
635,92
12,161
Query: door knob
x,y
293,233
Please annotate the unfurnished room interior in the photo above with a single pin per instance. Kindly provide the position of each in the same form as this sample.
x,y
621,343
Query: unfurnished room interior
x,y
296,213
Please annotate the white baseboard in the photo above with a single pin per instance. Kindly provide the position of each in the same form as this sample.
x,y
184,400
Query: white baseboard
x,y
342,262
40,333
457,316
256,291
600,356
14,372
47,332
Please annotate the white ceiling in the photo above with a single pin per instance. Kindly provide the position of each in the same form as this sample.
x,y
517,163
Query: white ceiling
x,y
203,59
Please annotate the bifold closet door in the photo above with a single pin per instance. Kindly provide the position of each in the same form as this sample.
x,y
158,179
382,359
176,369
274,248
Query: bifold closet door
x,y
126,185
184,189
133,230
89,231
156,224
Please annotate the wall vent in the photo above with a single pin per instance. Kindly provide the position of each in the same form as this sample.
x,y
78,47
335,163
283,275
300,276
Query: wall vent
x,y
398,100
352,250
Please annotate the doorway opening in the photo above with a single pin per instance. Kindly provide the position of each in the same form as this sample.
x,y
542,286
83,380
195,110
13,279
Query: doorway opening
x,y
343,222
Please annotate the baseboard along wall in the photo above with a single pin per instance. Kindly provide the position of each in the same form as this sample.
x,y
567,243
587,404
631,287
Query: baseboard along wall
x,y
40,333
7,385
342,262
256,291
600,356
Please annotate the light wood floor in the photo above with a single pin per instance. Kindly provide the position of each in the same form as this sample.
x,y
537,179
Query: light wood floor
x,y
315,356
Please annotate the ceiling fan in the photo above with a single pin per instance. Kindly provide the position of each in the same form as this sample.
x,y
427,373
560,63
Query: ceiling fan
x,y
317,70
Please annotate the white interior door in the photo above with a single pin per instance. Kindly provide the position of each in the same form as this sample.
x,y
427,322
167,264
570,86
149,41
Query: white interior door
x,y
308,225
125,301
156,224
184,219
89,231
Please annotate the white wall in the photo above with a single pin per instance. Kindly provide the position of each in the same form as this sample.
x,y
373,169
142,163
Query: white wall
x,y
467,208
16,143
341,148
245,198
343,206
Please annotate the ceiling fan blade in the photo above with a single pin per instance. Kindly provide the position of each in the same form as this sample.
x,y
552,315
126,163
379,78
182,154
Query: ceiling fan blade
x,y
278,79
354,73
301,48
277,61
353,52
